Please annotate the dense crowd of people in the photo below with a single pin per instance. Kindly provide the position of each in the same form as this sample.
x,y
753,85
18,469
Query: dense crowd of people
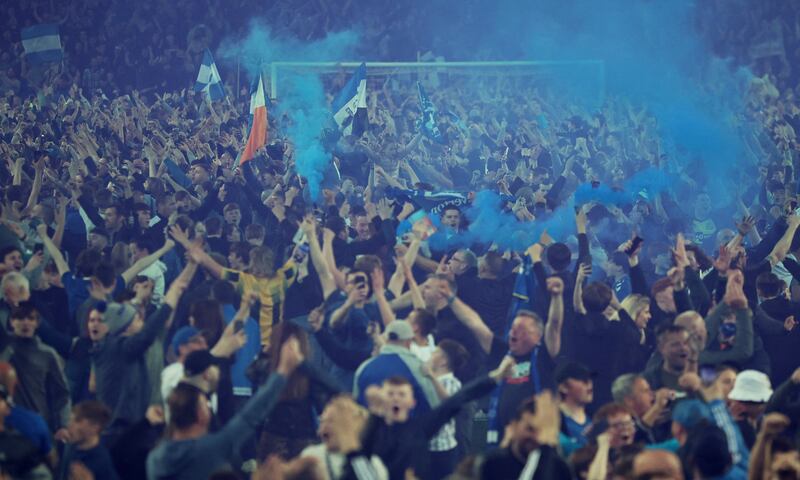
x,y
169,313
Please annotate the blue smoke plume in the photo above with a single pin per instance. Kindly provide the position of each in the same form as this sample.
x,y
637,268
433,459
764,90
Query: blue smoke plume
x,y
302,98
652,54
647,184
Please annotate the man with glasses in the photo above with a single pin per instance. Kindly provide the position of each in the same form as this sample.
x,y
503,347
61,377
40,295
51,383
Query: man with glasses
x,y
650,409
617,420
463,262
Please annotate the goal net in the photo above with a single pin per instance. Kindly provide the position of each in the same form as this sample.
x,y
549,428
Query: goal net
x,y
584,78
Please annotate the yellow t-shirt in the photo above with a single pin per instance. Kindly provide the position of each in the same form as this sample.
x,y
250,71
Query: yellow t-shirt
x,y
271,294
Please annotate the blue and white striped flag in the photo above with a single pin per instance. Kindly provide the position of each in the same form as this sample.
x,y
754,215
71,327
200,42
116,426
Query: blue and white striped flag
x,y
208,79
350,106
42,44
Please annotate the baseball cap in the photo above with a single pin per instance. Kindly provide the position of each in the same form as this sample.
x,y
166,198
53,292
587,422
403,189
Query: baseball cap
x,y
573,370
198,362
183,336
751,386
399,330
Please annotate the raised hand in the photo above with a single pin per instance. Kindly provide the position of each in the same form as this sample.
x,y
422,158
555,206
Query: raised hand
x,y
385,209
405,269
180,235
155,415
723,261
308,225
793,220
789,323
556,286
504,370
677,276
679,252
41,230
328,235
442,268
584,272
408,209
746,225
547,419
316,318
291,357
774,423
535,252
734,290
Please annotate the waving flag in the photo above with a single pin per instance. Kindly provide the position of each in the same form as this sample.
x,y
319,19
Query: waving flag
x,y
433,202
42,44
350,106
428,123
208,79
258,129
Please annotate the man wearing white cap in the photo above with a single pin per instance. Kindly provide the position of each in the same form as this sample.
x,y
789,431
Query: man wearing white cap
x,y
747,402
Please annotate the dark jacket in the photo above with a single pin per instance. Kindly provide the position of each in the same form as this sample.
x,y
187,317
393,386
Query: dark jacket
x,y
42,385
786,400
605,346
121,370
542,297
779,344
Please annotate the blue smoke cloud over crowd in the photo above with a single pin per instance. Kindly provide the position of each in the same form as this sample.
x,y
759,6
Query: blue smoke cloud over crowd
x,y
650,52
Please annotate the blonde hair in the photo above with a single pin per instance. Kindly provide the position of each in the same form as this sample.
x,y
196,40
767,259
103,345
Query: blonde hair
x,y
350,411
14,280
634,303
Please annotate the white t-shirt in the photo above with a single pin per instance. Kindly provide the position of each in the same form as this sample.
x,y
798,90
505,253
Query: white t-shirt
x,y
155,272
424,352
170,377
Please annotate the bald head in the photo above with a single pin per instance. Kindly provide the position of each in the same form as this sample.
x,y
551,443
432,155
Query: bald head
x,y
657,465
693,322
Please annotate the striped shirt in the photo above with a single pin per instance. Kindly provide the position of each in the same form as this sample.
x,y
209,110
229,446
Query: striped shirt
x,y
445,438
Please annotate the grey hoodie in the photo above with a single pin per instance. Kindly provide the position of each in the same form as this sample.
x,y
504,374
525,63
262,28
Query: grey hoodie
x,y
200,457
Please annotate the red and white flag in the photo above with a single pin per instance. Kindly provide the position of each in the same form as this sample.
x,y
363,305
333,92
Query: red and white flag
x,y
258,129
